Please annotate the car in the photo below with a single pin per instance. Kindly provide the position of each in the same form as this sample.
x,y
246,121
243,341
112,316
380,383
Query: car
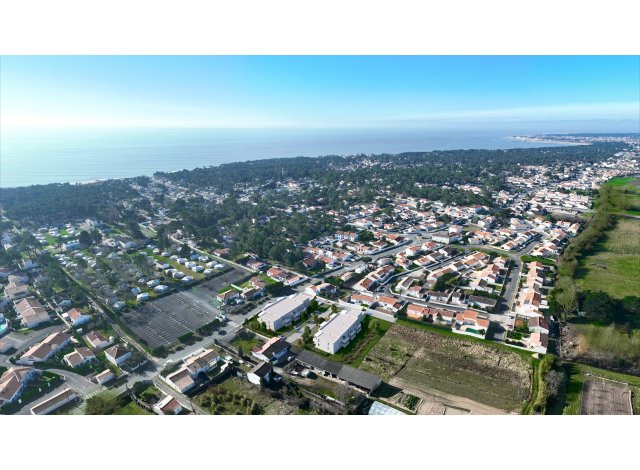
x,y
289,358
297,327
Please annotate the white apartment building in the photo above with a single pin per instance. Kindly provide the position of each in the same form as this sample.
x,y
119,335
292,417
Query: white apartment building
x,y
284,311
338,331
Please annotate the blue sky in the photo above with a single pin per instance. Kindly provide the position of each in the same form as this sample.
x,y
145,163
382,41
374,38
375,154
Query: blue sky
x,y
317,91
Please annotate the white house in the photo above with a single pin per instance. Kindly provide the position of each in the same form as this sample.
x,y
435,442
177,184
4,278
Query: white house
x,y
14,381
117,354
76,317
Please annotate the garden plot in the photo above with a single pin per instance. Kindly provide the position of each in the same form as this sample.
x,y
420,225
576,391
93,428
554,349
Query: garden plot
x,y
605,397
440,367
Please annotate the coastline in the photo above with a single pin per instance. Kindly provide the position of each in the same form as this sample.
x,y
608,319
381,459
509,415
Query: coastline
x,y
520,138
196,163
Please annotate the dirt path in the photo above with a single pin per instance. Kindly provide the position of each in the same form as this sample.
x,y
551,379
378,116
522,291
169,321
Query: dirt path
x,y
436,402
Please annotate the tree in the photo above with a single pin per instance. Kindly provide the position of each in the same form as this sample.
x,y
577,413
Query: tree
x,y
105,403
307,336
85,238
184,251
566,297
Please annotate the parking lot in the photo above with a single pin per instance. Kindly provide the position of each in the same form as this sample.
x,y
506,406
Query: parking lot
x,y
162,321
208,290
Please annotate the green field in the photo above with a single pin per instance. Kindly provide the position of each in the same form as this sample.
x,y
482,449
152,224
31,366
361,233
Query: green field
x,y
132,409
627,196
614,264
498,377
576,375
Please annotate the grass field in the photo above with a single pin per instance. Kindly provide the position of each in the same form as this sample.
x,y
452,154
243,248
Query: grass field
x,y
614,264
628,194
132,409
247,344
577,374
456,366
610,344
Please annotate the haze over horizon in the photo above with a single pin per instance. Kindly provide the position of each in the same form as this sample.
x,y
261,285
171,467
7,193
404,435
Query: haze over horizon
x,y
541,93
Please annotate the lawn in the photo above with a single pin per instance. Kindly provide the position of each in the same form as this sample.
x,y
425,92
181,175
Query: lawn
x,y
132,409
530,259
609,343
614,265
576,375
430,360
373,329
246,343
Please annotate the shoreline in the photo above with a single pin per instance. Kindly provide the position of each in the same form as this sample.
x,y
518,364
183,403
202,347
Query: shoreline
x,y
522,139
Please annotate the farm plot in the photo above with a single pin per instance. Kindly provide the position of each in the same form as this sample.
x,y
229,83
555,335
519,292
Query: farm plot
x,y
605,397
162,321
614,264
434,365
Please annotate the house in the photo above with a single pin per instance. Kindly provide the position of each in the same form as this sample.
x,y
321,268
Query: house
x,y
14,381
256,265
363,299
320,289
262,373
417,312
389,303
53,403
61,301
471,323
445,237
539,342
272,351
539,325
31,313
184,379
105,376
117,354
97,340
437,296
338,330
76,317
79,357
250,293
227,296
483,302
284,311
16,289
45,349
168,406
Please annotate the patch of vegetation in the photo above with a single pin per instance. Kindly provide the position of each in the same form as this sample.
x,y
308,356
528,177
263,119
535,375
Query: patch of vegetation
x,y
457,365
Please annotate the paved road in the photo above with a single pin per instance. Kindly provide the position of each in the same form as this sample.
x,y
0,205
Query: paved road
x,y
77,382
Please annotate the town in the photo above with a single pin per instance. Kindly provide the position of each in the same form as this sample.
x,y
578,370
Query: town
x,y
343,285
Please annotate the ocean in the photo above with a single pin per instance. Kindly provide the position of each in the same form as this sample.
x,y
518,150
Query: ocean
x,y
66,155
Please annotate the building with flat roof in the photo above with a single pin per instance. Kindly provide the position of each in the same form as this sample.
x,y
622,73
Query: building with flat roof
x,y
338,331
284,311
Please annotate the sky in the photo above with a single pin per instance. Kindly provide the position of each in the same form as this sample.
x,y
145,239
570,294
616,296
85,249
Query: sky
x,y
318,91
